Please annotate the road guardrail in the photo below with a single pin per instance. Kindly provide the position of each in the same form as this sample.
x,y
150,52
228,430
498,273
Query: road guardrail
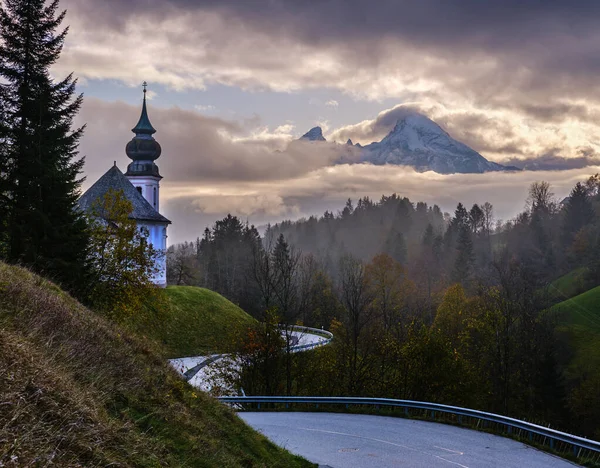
x,y
312,331
580,447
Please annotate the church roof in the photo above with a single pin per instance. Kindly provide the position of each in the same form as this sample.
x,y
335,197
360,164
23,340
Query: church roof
x,y
116,180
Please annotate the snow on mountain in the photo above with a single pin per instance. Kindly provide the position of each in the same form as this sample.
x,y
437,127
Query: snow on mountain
x,y
419,142
314,134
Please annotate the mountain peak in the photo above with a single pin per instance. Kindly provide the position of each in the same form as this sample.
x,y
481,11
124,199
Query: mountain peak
x,y
314,134
419,142
349,142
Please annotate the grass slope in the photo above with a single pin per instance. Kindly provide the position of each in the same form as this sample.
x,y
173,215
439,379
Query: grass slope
x,y
578,327
582,311
76,390
569,285
194,321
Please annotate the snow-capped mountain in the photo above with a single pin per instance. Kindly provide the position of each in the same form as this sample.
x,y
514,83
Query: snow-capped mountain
x,y
314,134
419,142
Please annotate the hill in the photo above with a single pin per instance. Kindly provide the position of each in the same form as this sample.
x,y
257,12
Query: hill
x,y
581,312
76,390
578,329
193,321
569,285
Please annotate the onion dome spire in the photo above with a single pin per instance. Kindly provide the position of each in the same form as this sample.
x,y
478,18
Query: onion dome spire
x,y
143,149
144,127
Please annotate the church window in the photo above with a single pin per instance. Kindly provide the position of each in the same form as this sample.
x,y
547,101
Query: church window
x,y
139,189
154,197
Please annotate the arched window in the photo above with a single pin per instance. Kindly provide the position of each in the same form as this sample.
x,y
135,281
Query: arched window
x,y
154,197
139,189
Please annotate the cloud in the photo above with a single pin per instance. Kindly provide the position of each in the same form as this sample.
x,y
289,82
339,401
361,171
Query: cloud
x,y
197,148
204,108
213,166
502,135
512,79
328,188
332,103
488,51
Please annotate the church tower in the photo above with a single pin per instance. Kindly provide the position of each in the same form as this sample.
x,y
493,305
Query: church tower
x,y
143,149
140,186
143,174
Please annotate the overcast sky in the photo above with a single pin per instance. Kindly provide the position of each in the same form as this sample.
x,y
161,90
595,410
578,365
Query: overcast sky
x,y
232,82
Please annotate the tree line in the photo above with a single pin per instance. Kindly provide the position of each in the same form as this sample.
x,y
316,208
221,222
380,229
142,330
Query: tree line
x,y
448,308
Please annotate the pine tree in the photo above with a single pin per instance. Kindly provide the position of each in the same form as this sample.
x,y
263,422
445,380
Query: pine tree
x,y
463,266
395,247
579,212
41,167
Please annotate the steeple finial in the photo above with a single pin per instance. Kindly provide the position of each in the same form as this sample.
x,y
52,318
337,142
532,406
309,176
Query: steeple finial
x,y
144,127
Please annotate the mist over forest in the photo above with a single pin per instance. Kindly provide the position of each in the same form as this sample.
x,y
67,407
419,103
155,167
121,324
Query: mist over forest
x,y
456,308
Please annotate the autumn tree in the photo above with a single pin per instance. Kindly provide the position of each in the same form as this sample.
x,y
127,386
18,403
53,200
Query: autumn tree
x,y
123,261
261,353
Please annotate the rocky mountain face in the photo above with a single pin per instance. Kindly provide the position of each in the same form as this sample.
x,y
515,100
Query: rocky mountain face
x,y
419,142
314,134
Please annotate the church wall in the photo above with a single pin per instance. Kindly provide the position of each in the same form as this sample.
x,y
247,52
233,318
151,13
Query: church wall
x,y
157,236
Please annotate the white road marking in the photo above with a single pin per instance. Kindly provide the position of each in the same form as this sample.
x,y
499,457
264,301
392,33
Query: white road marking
x,y
454,463
383,442
449,450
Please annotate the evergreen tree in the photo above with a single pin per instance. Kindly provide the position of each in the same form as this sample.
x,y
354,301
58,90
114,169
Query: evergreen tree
x,y
395,247
4,170
41,167
579,212
463,265
476,219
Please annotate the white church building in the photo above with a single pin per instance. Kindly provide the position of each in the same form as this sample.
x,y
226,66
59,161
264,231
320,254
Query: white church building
x,y
141,186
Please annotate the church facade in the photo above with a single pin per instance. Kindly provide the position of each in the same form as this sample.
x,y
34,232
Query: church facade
x,y
141,186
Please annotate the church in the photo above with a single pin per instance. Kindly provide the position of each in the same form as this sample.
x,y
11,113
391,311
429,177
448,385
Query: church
x,y
141,186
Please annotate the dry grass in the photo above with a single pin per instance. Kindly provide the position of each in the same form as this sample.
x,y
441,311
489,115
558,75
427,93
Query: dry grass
x,y
75,390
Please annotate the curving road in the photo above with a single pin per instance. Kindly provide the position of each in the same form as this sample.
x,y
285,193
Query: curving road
x,y
357,441
204,371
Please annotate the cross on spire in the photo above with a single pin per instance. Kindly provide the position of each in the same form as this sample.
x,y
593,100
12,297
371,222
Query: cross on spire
x,y
144,86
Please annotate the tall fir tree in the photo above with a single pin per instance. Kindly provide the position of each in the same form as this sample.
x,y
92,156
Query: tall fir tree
x,y
463,265
41,173
578,213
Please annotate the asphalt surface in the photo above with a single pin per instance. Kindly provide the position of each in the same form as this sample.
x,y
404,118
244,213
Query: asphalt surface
x,y
365,441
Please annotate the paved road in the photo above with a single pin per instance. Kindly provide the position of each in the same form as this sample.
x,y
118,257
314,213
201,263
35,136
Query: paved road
x,y
357,441
204,372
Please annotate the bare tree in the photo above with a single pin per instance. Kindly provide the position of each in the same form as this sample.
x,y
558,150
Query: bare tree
x,y
182,265
488,218
355,298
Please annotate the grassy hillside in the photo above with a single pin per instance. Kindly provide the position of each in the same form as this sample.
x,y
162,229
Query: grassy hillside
x,y
578,323
578,329
582,311
569,285
193,321
76,390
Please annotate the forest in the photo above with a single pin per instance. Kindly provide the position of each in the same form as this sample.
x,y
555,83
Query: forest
x,y
457,309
